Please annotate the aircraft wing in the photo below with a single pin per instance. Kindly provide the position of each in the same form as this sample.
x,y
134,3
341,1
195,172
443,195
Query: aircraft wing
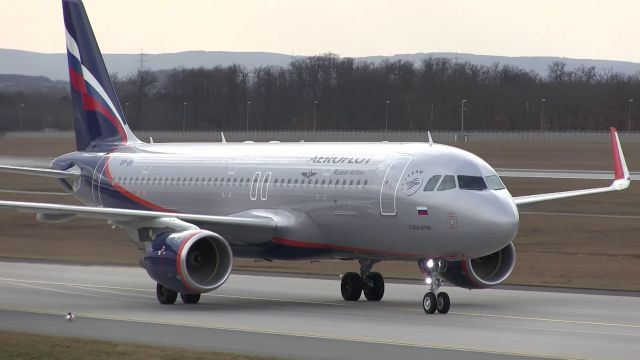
x,y
244,229
621,179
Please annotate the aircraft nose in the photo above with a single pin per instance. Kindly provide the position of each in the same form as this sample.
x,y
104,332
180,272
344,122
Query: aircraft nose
x,y
495,221
504,219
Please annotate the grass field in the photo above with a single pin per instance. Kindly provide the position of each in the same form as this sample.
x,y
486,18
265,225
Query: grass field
x,y
555,247
19,346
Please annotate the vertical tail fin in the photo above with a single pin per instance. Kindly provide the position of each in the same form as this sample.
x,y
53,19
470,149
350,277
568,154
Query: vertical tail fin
x,y
98,119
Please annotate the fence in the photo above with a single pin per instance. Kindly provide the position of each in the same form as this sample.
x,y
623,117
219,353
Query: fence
x,y
359,136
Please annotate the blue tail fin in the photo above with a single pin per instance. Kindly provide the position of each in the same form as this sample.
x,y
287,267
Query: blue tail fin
x,y
97,115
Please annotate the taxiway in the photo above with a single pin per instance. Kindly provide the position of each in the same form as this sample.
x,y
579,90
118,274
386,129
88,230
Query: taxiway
x,y
305,317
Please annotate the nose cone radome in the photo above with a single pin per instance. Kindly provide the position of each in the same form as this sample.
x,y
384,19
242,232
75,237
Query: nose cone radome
x,y
495,221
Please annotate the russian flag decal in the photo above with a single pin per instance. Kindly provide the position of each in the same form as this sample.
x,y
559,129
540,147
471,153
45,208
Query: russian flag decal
x,y
422,211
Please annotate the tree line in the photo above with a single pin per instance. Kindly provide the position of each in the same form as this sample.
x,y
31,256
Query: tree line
x,y
340,93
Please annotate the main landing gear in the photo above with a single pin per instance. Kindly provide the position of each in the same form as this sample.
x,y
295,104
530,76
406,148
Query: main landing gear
x,y
371,283
167,296
433,300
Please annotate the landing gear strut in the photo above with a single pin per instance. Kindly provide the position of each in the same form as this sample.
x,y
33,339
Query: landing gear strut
x,y
433,300
371,283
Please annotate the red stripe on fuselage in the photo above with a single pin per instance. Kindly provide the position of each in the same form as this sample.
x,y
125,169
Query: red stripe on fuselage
x,y
138,200
92,104
319,246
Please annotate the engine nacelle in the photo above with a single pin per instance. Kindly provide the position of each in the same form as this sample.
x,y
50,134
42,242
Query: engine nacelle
x,y
483,272
194,261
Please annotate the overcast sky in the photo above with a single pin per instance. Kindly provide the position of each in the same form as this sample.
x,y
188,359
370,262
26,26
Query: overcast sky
x,y
569,28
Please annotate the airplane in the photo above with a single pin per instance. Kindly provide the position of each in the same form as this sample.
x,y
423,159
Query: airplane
x,y
194,207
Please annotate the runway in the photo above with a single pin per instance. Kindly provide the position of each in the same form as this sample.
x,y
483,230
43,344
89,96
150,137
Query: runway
x,y
306,317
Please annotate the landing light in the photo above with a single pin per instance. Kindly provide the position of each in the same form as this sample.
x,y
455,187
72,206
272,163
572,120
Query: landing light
x,y
428,281
430,263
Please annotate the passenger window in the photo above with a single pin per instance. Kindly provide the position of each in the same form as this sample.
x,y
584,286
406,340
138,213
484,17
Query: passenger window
x,y
289,182
323,181
494,182
350,184
448,183
365,184
466,182
315,183
228,182
330,182
357,184
344,183
432,182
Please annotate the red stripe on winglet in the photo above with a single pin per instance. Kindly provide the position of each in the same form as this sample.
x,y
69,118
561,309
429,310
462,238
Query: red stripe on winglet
x,y
617,161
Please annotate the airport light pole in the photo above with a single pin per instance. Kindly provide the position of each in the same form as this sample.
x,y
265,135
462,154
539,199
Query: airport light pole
x,y
629,114
184,116
431,118
542,113
315,106
21,114
248,105
462,115
386,115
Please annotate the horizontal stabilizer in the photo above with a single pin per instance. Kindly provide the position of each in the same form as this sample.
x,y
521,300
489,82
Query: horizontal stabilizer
x,y
57,174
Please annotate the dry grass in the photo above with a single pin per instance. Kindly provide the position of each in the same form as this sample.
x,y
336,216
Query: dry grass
x,y
18,346
574,251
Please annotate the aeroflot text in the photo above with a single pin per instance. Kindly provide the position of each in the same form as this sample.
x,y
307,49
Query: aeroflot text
x,y
339,160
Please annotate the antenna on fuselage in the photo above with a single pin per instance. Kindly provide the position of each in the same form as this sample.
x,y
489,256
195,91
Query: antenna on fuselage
x,y
430,139
224,141
150,139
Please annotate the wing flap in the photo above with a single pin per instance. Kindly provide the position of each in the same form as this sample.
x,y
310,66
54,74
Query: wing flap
x,y
236,229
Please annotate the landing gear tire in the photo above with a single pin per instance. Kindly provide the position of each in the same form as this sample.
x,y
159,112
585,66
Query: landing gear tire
x,y
165,295
190,298
374,286
443,303
429,303
351,286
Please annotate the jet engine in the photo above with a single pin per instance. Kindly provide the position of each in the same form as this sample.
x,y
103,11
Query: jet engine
x,y
483,272
194,261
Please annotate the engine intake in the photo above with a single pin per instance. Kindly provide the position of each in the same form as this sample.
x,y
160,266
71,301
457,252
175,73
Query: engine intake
x,y
195,261
483,272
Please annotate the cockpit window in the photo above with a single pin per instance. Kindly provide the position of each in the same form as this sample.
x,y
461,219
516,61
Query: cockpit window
x,y
448,183
494,182
432,182
471,182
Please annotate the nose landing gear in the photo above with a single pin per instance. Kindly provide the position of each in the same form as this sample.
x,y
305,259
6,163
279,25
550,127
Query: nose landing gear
x,y
371,283
433,300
